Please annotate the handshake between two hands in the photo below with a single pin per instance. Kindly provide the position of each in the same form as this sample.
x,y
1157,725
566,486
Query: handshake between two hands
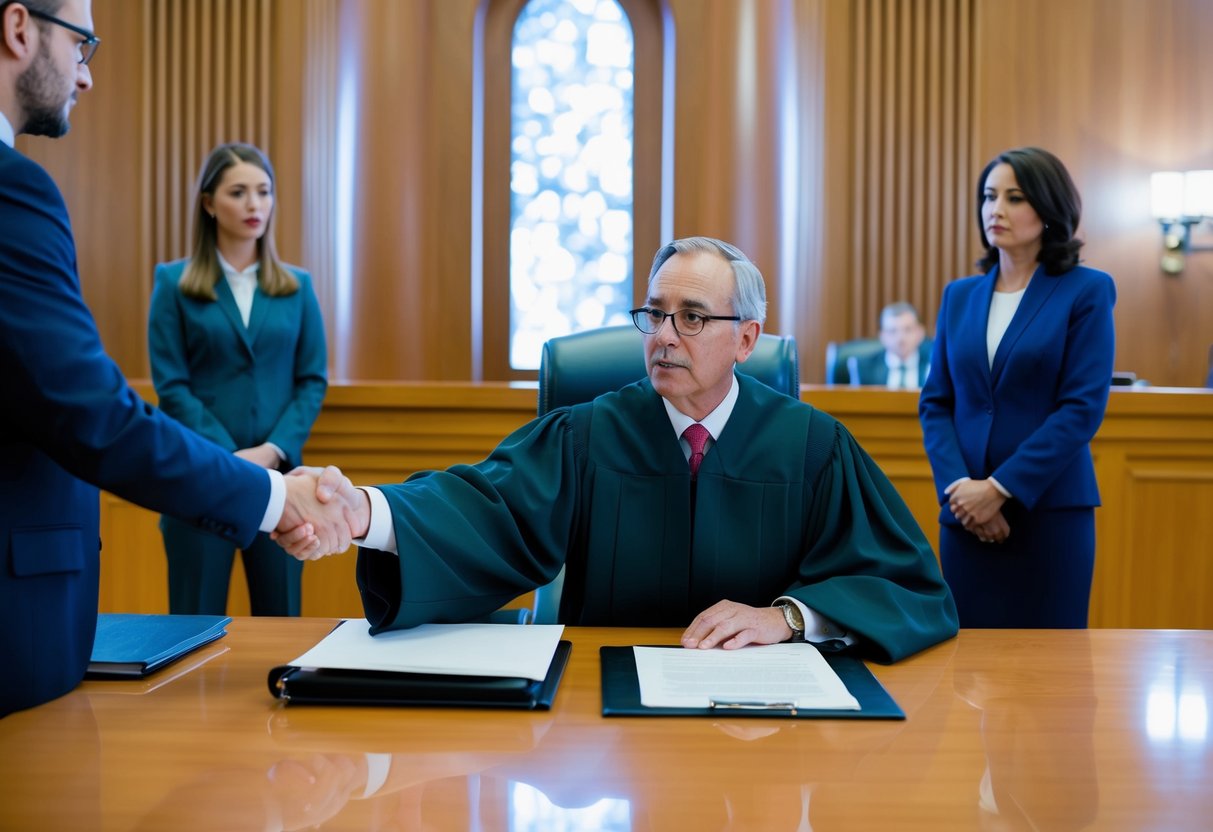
x,y
323,513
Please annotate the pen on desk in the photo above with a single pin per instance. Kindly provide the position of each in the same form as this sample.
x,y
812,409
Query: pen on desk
x,y
751,705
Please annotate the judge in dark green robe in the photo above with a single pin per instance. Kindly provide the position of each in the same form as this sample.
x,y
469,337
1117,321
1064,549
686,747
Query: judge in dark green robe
x,y
786,506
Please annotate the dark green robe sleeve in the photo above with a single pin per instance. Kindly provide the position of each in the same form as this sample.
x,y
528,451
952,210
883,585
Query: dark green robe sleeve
x,y
474,537
869,567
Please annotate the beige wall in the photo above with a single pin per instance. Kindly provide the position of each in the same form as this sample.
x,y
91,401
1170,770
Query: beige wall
x,y
834,140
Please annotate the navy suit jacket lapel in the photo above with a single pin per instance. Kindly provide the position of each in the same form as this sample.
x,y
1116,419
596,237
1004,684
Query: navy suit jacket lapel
x,y
1040,287
227,302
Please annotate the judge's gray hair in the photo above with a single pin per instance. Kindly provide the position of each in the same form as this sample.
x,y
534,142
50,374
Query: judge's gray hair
x,y
749,290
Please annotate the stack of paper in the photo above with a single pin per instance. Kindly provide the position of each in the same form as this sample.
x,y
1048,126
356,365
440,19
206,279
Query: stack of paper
x,y
454,665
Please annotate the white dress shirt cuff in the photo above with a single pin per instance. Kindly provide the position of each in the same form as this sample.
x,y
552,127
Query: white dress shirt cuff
x,y
818,628
380,533
279,451
1001,490
273,511
956,482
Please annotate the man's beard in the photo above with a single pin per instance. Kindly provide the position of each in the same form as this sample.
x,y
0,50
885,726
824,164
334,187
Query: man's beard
x,y
35,89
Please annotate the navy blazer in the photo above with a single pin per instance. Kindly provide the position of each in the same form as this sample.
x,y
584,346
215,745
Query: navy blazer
x,y
873,369
1028,420
70,424
239,386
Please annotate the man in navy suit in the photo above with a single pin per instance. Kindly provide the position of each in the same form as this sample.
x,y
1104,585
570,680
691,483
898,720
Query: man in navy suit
x,y
70,423
906,358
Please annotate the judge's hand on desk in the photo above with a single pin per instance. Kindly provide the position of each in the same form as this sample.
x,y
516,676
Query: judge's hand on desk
x,y
323,513
730,625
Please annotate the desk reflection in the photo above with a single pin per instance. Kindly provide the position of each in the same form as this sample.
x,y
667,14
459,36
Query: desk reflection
x,y
1037,727
54,791
1004,732
637,767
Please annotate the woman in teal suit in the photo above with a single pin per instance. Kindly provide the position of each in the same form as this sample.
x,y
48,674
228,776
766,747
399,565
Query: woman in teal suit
x,y
238,354
1018,386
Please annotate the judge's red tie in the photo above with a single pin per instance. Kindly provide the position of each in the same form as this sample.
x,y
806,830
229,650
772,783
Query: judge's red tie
x,y
697,436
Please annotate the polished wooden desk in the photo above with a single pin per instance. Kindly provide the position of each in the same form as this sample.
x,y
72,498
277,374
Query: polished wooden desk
x,y
1101,729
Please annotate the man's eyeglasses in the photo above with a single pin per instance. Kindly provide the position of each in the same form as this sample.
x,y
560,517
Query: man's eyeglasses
x,y
86,48
685,321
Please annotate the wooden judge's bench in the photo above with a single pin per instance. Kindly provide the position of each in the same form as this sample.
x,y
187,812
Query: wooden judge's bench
x,y
1153,459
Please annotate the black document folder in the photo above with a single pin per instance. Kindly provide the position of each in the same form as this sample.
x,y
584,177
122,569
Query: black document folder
x,y
323,686
621,693
130,646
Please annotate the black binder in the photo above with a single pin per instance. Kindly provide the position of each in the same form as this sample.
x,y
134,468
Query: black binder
x,y
621,693
320,686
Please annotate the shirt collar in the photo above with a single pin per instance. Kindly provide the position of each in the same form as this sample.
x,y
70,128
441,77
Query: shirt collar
x,y
6,131
230,271
894,363
714,421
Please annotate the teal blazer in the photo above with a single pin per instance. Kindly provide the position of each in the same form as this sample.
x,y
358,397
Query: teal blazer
x,y
239,386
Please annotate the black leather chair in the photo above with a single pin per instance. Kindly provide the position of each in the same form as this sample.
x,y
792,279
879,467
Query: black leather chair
x,y
577,368
839,353
580,367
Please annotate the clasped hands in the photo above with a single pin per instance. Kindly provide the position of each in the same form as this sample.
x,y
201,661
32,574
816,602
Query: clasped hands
x,y
978,505
323,513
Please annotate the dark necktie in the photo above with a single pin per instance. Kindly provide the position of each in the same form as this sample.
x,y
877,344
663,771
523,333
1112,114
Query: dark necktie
x,y
697,436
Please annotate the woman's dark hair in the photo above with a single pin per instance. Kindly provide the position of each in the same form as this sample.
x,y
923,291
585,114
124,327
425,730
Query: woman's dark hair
x,y
1050,191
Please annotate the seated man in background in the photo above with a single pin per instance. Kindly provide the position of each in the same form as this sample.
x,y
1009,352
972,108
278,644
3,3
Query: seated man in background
x,y
907,354
764,522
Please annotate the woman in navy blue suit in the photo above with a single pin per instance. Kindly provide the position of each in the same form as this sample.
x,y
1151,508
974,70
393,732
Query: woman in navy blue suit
x,y
1018,386
238,354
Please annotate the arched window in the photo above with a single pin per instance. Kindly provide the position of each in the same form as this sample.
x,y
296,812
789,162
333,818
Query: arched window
x,y
573,191
571,197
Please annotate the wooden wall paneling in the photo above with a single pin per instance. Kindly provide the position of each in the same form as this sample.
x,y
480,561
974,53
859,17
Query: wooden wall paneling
x,y
406,83
831,210
1170,515
134,572
211,69
1114,86
316,69
494,181
281,52
446,311
731,78
1117,90
1154,466
802,266
909,199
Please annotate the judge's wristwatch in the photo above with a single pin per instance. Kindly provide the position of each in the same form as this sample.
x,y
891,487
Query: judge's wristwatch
x,y
794,619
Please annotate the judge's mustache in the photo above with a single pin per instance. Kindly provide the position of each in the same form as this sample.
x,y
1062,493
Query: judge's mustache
x,y
664,357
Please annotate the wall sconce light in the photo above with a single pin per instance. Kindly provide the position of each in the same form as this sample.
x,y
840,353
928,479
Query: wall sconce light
x,y
1180,201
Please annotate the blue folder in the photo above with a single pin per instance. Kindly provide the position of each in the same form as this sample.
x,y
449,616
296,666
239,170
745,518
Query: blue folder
x,y
132,646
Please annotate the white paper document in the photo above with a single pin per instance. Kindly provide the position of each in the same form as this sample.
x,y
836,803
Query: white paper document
x,y
507,650
773,676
